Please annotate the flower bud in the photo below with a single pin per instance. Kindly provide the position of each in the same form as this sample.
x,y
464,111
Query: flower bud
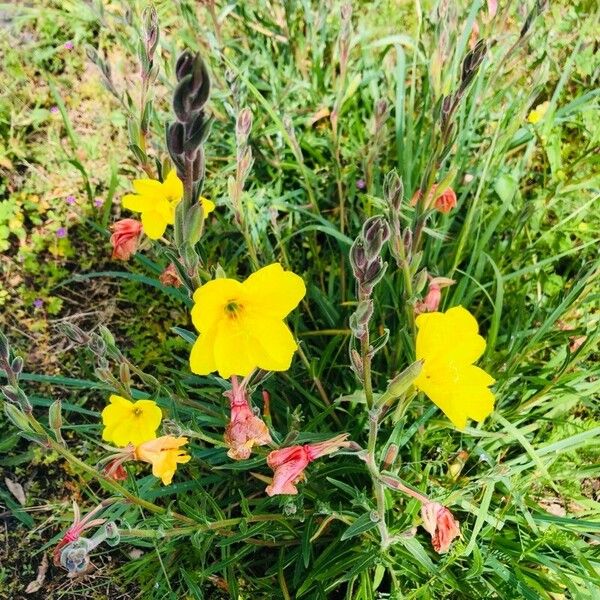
x,y
376,232
4,347
17,365
175,133
393,190
17,417
150,30
74,333
243,125
358,258
55,415
184,64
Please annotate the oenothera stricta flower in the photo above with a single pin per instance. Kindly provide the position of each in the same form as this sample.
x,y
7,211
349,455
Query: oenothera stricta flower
x,y
448,344
439,522
241,324
157,202
164,454
127,422
288,464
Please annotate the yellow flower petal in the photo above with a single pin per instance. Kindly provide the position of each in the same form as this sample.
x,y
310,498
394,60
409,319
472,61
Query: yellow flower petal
x,y
232,353
207,205
211,300
274,291
202,357
273,344
172,187
148,187
134,202
453,333
154,224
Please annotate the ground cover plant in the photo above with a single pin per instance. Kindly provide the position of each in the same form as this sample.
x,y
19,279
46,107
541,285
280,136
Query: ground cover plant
x,y
300,300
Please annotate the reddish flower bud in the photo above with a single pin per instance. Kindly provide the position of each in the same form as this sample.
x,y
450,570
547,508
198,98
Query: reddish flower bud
x,y
439,522
125,238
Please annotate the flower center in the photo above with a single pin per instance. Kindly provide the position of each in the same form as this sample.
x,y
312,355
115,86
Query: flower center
x,y
232,308
138,412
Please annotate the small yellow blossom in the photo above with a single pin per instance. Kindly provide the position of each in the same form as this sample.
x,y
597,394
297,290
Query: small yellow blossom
x,y
157,202
241,324
164,454
127,422
448,344
536,115
207,205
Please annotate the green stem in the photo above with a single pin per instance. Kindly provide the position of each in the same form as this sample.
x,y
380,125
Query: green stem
x,y
374,414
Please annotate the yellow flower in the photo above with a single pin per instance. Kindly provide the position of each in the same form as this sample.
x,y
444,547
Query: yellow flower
x,y
156,201
536,115
207,205
241,324
164,454
128,422
448,344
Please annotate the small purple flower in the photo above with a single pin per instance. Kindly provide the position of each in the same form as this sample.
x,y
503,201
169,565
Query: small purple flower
x,y
70,200
69,45
38,303
98,202
61,232
360,184
54,110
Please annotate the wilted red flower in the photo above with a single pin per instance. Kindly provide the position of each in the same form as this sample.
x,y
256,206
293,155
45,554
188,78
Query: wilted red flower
x,y
170,276
444,202
125,238
439,522
245,429
432,299
289,463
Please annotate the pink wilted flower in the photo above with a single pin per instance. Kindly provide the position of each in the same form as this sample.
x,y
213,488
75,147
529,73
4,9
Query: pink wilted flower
x,y
439,522
289,463
245,430
125,238
443,202
170,276
432,299
446,202
78,527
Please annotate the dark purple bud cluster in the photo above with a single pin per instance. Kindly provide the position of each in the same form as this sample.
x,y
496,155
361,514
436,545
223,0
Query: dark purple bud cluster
x,y
365,255
186,136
